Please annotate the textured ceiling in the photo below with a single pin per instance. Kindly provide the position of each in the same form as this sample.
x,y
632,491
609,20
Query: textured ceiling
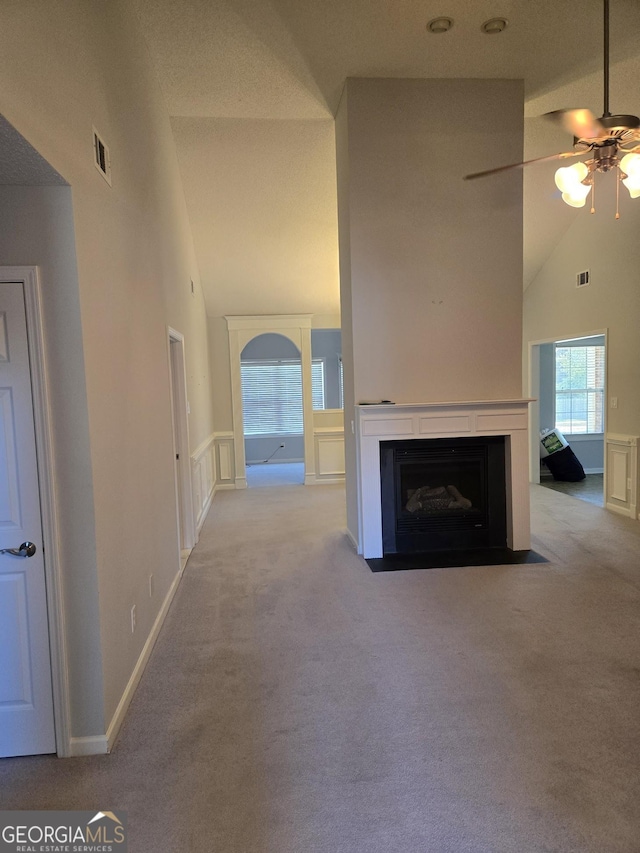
x,y
253,61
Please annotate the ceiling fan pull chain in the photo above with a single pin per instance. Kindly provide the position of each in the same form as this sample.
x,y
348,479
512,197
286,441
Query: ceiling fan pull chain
x,y
593,192
618,179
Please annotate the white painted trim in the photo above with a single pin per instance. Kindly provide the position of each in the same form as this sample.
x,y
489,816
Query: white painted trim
x,y
621,447
28,276
266,322
594,470
376,423
533,390
241,330
225,460
205,510
203,478
326,481
181,438
136,675
95,745
352,539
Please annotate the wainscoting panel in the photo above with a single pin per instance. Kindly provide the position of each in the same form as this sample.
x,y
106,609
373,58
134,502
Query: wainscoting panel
x,y
203,479
329,454
621,477
224,454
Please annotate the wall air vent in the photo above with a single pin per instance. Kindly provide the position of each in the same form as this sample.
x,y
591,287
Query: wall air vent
x,y
582,279
101,156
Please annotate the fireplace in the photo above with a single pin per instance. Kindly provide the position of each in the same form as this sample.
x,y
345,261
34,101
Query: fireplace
x,y
503,422
443,494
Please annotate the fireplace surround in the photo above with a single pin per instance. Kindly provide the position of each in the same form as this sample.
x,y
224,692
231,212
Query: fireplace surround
x,y
381,424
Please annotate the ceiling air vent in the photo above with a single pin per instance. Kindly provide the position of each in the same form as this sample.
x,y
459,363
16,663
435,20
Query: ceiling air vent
x,y
101,156
582,279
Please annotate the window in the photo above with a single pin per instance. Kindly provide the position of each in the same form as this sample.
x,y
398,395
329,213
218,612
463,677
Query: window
x,y
272,395
580,389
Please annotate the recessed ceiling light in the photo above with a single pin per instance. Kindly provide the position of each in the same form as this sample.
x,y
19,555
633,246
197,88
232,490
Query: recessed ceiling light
x,y
494,25
439,25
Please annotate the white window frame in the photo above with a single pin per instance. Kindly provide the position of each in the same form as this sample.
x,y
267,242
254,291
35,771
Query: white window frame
x,y
593,422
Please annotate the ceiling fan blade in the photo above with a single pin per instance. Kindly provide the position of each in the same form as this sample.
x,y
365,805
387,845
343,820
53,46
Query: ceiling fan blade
x,y
580,122
561,156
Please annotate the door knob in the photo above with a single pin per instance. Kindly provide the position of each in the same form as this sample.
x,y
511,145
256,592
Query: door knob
x,y
27,549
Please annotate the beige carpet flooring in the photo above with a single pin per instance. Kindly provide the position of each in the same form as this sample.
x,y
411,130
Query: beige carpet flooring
x,y
297,703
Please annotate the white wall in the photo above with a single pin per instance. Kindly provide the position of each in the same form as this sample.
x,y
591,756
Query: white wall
x,y
68,65
436,262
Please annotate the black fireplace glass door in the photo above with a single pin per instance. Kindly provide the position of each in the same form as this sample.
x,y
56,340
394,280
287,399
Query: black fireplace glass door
x,y
443,494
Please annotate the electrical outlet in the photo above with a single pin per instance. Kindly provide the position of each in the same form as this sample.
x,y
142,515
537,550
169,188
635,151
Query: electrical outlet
x,y
133,618
150,586
614,402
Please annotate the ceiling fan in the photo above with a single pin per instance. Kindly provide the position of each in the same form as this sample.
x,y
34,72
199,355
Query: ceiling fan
x,y
611,141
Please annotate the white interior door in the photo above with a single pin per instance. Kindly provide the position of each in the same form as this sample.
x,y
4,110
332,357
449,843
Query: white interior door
x,y
26,703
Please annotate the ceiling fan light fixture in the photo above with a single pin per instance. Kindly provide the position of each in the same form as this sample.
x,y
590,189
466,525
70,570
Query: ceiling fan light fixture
x,y
577,197
569,178
570,182
494,26
630,167
439,25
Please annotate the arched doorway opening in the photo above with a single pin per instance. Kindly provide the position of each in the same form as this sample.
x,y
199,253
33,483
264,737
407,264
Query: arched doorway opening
x,y
272,410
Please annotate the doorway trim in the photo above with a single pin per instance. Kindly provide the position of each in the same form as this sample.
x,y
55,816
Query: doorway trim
x,y
242,330
180,421
534,392
29,278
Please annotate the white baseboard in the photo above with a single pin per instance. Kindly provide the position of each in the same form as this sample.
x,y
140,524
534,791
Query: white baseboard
x,y
620,510
352,539
326,481
224,487
95,745
205,510
136,675
594,470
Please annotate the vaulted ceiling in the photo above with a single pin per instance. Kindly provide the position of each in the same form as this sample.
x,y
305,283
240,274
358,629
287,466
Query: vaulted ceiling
x,y
247,81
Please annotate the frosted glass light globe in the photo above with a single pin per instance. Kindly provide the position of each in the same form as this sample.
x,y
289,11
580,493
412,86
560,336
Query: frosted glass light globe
x,y
568,178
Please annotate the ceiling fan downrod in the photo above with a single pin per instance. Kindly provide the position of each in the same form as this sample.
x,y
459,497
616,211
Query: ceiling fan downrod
x,y
606,59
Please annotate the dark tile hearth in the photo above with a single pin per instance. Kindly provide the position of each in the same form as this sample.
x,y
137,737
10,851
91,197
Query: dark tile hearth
x,y
454,559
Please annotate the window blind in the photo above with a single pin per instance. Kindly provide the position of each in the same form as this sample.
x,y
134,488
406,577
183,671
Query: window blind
x,y
272,395
580,374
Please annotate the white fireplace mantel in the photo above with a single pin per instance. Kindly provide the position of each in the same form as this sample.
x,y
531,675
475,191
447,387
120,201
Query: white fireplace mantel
x,y
388,422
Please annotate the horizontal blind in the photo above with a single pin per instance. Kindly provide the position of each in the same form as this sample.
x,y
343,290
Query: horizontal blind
x,y
580,373
317,383
272,395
